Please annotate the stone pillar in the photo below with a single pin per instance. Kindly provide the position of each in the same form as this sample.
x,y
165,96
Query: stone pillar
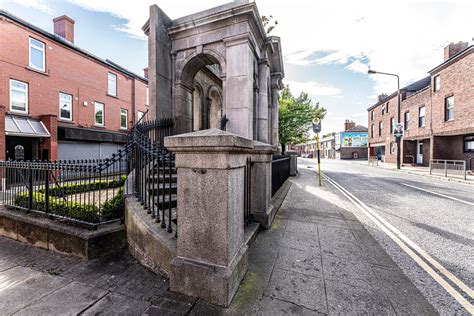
x,y
293,161
183,115
261,207
51,123
160,70
262,107
276,78
3,140
211,253
238,86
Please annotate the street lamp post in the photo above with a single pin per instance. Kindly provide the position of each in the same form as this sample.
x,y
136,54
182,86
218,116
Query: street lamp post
x,y
398,139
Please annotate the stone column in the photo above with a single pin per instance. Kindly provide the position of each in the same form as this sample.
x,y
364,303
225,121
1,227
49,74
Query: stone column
x,y
276,78
211,253
238,87
293,161
262,107
261,207
160,67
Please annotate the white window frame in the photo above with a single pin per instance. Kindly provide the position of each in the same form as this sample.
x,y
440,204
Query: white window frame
x,y
406,120
147,96
122,112
421,116
60,104
140,114
95,113
437,83
448,107
30,47
26,96
109,76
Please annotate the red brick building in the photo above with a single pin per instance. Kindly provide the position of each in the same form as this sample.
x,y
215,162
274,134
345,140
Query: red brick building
x,y
437,113
58,101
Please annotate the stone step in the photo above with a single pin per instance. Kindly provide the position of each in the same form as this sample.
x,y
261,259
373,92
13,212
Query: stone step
x,y
163,188
159,178
160,170
162,202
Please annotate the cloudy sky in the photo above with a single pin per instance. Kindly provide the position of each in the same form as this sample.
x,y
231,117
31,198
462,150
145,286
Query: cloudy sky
x,y
328,46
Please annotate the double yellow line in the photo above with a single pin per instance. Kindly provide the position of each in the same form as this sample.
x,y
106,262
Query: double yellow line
x,y
423,259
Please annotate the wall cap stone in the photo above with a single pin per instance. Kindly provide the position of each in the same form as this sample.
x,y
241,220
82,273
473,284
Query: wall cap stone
x,y
209,138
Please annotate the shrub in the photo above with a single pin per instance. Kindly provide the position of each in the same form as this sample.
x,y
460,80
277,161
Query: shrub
x,y
110,209
73,188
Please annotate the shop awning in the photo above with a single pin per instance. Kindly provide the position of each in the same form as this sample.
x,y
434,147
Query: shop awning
x,y
25,126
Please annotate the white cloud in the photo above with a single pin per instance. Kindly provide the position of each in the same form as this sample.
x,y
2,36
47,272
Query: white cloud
x,y
312,88
40,5
389,36
357,66
395,42
361,114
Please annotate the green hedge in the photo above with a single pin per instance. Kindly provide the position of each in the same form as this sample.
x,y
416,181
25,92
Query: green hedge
x,y
73,188
110,210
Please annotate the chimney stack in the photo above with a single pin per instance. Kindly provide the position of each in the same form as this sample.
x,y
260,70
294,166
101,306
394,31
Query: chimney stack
x,y
452,49
348,125
64,27
382,97
145,72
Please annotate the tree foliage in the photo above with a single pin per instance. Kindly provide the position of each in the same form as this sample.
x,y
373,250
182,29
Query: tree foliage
x,y
294,116
269,23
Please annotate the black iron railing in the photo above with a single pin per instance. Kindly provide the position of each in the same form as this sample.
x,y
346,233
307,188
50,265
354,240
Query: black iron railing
x,y
280,171
91,192
85,192
154,172
247,191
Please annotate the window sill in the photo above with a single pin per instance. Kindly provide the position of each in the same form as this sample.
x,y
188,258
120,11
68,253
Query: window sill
x,y
18,113
99,126
112,96
66,121
44,73
123,129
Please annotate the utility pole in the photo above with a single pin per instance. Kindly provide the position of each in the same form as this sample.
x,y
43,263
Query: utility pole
x,y
398,139
317,129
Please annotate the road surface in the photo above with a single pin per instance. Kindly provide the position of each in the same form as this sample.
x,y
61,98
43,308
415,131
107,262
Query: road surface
x,y
426,225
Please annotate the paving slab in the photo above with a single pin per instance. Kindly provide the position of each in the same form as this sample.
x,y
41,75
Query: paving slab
x,y
68,300
300,261
356,300
299,289
115,304
20,287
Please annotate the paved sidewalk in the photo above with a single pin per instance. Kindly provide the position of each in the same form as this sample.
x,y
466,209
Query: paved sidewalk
x,y
316,259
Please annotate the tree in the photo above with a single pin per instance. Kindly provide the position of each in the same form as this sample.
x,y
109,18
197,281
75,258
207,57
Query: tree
x,y
269,23
295,116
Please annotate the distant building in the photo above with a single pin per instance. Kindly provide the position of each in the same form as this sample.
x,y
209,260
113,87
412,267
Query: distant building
x,y
437,113
58,101
352,142
348,144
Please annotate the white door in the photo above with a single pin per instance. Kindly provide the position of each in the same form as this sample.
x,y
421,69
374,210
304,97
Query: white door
x,y
419,152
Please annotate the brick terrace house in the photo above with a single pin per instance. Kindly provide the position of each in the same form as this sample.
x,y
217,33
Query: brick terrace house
x,y
437,112
58,101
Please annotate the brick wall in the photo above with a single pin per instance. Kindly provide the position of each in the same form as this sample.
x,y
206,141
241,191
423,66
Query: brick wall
x,y
69,72
348,152
386,138
412,105
2,133
458,80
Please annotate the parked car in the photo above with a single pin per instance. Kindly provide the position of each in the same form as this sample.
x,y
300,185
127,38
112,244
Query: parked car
x,y
310,155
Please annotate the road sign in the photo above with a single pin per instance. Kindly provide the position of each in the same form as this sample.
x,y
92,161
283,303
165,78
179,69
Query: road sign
x,y
398,129
316,125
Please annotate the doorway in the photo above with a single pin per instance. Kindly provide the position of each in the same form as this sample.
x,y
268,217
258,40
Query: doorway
x,y
21,148
419,152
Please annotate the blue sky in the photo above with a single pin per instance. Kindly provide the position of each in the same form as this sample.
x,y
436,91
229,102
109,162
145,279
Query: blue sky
x,y
328,46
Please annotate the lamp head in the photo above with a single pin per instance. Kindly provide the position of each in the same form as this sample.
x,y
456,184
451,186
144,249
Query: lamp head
x,y
371,72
